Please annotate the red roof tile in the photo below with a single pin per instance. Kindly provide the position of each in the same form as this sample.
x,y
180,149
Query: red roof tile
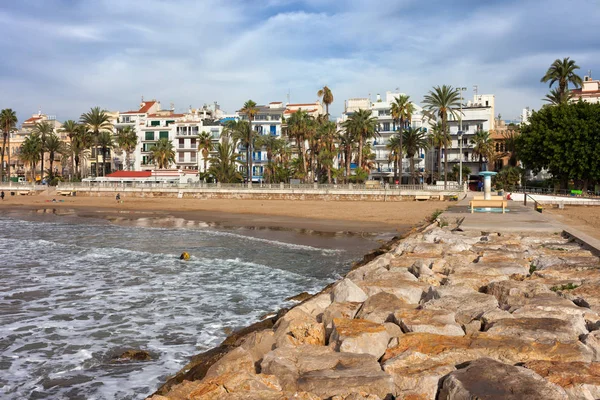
x,y
294,111
147,106
31,120
130,174
165,116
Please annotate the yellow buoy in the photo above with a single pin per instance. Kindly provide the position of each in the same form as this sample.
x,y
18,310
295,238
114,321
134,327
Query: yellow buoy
x,y
184,256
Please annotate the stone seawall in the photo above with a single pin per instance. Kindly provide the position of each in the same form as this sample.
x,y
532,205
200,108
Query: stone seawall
x,y
441,314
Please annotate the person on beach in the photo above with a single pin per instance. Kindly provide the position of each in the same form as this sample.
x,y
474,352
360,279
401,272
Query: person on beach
x,y
2,195
118,197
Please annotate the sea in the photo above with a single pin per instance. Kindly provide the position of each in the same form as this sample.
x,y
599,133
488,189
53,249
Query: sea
x,y
76,292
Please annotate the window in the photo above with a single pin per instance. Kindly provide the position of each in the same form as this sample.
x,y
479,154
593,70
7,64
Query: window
x,y
466,156
170,122
149,135
386,126
163,135
181,143
181,157
147,146
275,117
273,130
154,123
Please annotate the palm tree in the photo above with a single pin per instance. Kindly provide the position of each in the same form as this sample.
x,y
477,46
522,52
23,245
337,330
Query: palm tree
x,y
483,146
347,140
271,145
105,143
443,101
563,72
240,134
127,141
328,134
555,97
223,163
414,139
327,98
81,141
363,127
162,153
71,128
53,146
301,127
440,138
510,147
30,152
43,129
8,122
402,110
205,146
96,120
394,146
250,110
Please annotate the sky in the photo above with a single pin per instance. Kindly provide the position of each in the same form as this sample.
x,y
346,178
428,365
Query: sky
x,y
65,56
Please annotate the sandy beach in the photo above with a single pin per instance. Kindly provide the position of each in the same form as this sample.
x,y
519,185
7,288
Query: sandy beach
x,y
324,216
584,218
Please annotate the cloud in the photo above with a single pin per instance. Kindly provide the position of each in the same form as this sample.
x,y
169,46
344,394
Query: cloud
x,y
69,55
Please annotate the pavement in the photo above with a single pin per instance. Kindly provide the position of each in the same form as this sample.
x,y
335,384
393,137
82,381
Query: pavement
x,y
519,218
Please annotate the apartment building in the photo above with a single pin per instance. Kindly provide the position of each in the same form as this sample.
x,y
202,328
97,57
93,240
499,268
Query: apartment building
x,y
589,91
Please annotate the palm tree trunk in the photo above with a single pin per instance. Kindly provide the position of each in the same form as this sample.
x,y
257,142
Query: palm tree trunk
x,y
250,150
8,165
445,153
401,129
97,153
439,164
329,174
3,152
395,168
360,149
412,169
348,158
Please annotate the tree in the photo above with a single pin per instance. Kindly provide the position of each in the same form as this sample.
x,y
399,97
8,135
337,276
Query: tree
x,y
43,129
363,127
300,127
483,147
347,142
105,143
563,72
127,141
30,152
443,101
80,142
96,121
328,135
250,110
71,128
565,140
510,146
555,97
205,146
440,138
162,153
402,110
394,146
327,98
508,177
54,146
271,144
466,171
223,163
240,133
8,122
414,139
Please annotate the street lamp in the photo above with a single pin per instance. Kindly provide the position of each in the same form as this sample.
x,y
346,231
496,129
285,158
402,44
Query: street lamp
x,y
460,138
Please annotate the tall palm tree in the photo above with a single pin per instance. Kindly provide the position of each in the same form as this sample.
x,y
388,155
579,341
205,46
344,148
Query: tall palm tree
x,y
402,110
105,143
81,141
328,134
444,101
223,163
240,134
363,127
441,139
414,139
271,145
96,121
347,142
54,146
483,146
162,153
555,97
205,146
510,147
30,152
8,122
394,146
301,127
71,128
563,72
127,141
250,109
44,130
327,98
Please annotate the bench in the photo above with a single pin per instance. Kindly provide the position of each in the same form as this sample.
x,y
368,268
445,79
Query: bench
x,y
487,203
24,192
491,198
422,197
64,193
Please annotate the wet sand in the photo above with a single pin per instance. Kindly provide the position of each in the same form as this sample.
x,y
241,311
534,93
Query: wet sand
x,y
584,218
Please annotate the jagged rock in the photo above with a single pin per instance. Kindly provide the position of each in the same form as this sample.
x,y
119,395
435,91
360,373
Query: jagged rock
x,y
327,383
135,355
553,306
339,310
218,387
587,295
454,350
513,293
393,330
440,322
419,268
592,341
380,307
292,365
409,291
418,379
579,380
357,396
258,344
237,360
374,267
347,290
472,327
466,303
296,328
489,379
471,280
489,317
300,297
316,305
359,336
538,329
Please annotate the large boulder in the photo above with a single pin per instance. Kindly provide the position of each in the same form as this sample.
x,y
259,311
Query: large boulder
x,y
258,344
359,336
266,386
512,293
296,328
315,305
380,307
418,379
464,302
346,290
440,322
238,360
339,310
538,329
409,291
492,380
328,383
579,380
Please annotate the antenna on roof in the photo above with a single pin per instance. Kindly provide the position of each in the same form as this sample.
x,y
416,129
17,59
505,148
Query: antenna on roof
x,y
142,98
288,96
590,74
40,110
475,89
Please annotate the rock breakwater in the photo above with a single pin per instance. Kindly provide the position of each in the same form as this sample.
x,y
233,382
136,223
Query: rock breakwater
x,y
442,315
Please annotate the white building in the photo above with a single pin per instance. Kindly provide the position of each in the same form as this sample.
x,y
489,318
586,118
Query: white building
x,y
589,92
525,115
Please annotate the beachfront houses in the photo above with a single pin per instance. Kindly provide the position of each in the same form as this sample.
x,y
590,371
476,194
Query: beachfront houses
x,y
589,91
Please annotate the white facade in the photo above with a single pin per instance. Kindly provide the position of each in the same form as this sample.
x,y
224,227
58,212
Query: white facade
x,y
589,92
525,115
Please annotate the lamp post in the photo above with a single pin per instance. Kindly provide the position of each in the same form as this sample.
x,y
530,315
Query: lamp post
x,y
460,139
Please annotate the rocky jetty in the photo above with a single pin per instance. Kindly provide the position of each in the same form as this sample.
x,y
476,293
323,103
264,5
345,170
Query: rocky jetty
x,y
443,314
